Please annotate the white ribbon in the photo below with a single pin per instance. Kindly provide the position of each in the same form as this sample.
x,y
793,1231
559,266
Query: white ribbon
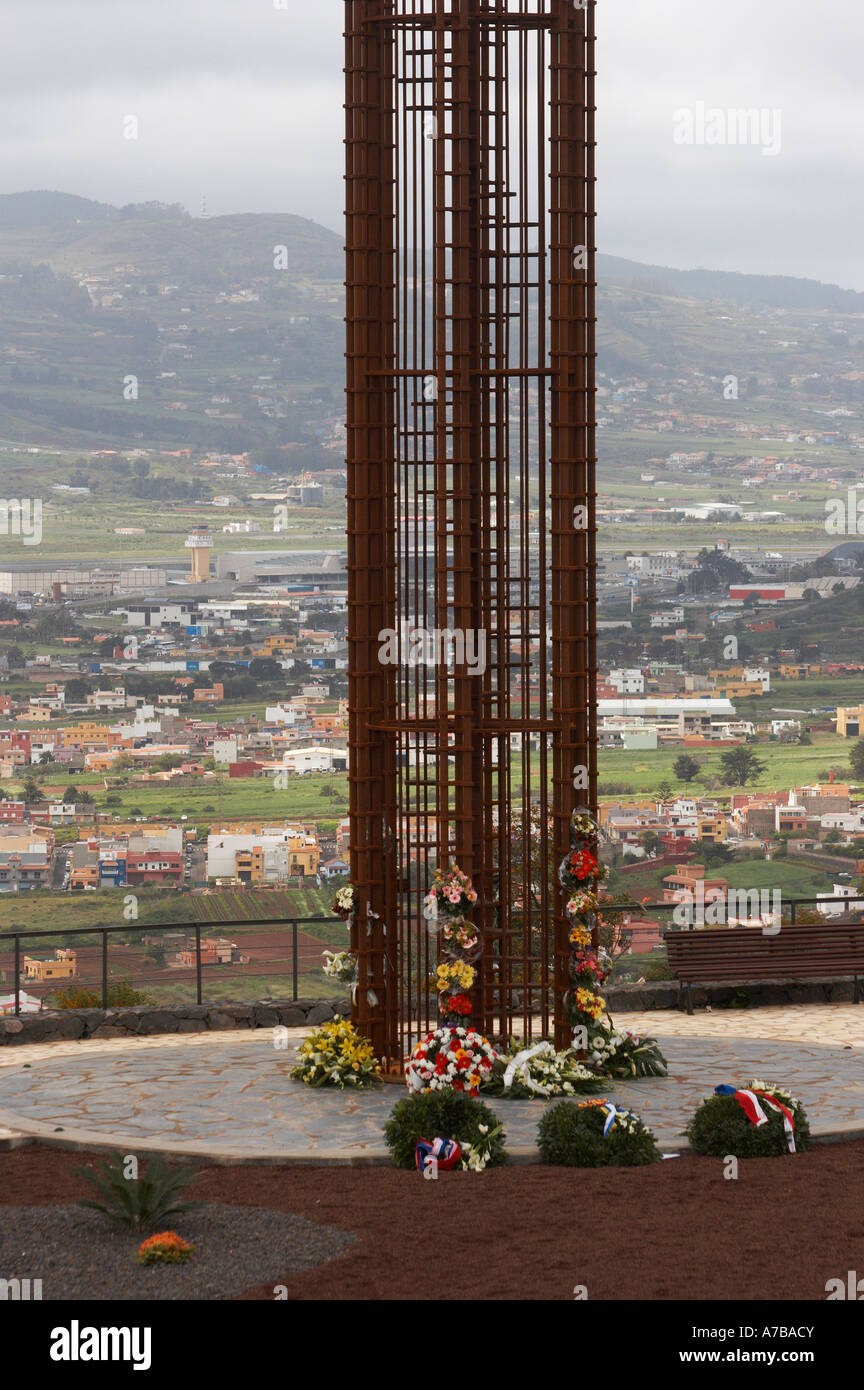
x,y
788,1127
612,1114
520,1064
761,1117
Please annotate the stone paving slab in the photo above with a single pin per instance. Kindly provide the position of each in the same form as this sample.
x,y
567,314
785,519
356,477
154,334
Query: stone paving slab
x,y
229,1096
842,1024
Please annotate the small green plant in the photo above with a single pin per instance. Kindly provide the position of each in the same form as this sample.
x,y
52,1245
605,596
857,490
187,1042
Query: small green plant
x,y
121,995
570,1135
166,1248
443,1115
738,999
137,1202
658,970
721,1128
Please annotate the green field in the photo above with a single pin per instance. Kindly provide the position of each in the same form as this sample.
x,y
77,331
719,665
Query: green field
x,y
50,911
792,879
786,765
209,802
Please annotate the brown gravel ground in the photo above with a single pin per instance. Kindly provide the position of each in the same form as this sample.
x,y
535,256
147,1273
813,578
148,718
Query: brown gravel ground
x,y
675,1231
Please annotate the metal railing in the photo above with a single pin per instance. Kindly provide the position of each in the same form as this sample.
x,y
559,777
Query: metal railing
x,y
104,933
791,903
292,924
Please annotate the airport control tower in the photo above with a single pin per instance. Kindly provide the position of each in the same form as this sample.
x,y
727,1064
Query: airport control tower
x,y
200,542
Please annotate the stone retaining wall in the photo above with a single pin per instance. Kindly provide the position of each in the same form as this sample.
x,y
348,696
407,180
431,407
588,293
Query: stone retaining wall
x,y
63,1025
663,994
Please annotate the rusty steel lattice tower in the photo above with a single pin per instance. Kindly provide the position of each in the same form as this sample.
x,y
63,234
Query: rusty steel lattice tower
x,y
471,495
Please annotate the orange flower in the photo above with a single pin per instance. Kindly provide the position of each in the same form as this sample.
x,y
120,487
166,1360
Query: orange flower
x,y
165,1248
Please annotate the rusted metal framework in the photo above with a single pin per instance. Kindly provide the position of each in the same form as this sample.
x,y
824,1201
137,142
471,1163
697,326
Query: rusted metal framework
x,y
471,496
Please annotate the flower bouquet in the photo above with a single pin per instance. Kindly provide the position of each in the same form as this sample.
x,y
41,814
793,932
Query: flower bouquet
x,y
451,895
539,1071
458,934
451,1058
450,898
345,902
341,966
623,1055
337,1055
579,865
452,979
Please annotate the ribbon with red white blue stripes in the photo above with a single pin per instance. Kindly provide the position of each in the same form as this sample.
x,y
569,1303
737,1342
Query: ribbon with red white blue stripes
x,y
441,1153
750,1104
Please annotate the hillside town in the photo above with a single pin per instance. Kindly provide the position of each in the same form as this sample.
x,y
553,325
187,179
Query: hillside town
x,y
126,743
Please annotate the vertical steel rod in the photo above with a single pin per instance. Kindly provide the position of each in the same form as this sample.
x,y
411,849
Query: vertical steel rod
x,y
471,493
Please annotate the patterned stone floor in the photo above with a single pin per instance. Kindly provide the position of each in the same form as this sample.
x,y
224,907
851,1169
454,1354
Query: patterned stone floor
x,y
230,1094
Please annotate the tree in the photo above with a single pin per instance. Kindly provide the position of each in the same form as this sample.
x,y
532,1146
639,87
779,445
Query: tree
x,y
32,790
265,668
716,570
168,761
76,794
649,841
738,766
665,790
856,758
220,669
685,767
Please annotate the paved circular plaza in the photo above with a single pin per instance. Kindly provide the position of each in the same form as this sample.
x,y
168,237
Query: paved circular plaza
x,y
229,1095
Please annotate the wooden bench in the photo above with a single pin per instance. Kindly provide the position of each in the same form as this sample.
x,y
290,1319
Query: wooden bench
x,y
746,953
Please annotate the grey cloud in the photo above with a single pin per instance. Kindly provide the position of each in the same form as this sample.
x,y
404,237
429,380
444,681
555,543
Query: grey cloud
x,y
243,102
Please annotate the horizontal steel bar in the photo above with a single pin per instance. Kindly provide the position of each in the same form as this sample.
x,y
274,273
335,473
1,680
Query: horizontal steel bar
x,y
167,926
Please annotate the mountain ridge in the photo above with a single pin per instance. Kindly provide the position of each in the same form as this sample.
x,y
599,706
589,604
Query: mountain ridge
x,y
89,222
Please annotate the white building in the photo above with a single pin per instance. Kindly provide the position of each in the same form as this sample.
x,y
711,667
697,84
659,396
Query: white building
x,y
280,714
738,728
108,699
852,822
649,564
669,617
157,614
225,750
320,758
759,673
275,844
662,709
628,682
840,890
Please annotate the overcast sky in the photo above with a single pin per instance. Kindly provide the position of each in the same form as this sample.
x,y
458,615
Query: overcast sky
x,y
241,102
